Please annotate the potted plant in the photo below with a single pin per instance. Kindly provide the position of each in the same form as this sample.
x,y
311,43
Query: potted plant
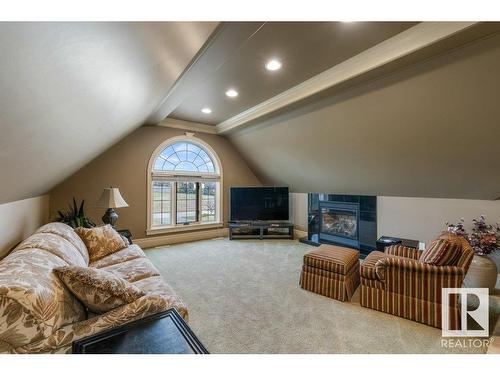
x,y
75,217
484,239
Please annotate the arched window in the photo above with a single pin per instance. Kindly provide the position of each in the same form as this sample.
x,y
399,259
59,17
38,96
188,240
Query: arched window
x,y
184,156
184,185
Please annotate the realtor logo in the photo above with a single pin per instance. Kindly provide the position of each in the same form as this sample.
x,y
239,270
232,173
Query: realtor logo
x,y
474,316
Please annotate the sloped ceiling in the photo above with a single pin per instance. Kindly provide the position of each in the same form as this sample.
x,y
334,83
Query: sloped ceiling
x,y
427,130
305,49
71,90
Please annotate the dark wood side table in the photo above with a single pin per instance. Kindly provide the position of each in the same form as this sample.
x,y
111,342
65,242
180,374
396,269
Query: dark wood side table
x,y
385,241
162,333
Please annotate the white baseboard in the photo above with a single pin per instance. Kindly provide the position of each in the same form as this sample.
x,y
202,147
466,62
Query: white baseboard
x,y
170,239
181,237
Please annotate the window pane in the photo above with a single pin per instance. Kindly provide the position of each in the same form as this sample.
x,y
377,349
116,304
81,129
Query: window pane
x,y
187,202
184,166
158,164
174,159
208,201
179,146
167,152
162,203
193,148
191,156
198,161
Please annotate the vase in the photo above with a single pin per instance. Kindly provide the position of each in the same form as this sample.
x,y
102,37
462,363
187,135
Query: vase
x,y
482,273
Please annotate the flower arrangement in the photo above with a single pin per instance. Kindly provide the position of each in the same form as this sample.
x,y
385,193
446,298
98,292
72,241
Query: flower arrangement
x,y
457,229
484,238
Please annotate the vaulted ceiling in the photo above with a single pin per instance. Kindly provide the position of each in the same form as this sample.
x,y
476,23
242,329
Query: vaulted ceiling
x,y
384,108
359,108
431,129
304,48
71,90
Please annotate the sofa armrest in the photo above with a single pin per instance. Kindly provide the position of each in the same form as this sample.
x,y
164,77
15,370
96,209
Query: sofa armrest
x,y
418,280
62,339
403,251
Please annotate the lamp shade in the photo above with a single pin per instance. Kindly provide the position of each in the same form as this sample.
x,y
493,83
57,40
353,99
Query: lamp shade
x,y
111,198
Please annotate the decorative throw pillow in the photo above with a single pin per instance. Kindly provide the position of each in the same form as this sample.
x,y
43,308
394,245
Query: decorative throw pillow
x,y
97,289
101,241
443,251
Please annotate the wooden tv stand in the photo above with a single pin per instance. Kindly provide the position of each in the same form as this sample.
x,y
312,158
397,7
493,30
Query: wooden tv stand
x,y
260,230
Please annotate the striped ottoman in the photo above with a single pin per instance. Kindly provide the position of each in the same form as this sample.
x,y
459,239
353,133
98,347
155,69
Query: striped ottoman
x,y
332,271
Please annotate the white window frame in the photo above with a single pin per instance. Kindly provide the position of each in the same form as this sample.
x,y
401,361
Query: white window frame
x,y
179,176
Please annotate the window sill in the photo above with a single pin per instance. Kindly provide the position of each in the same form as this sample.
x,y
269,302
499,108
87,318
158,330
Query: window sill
x,y
182,228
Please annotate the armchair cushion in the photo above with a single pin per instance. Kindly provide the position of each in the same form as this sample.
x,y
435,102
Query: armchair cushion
x,y
443,251
403,251
368,268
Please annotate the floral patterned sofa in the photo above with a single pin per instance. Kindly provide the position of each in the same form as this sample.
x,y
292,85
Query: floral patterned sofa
x,y
38,314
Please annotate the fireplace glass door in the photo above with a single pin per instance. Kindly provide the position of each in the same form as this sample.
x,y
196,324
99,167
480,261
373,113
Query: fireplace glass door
x,y
339,223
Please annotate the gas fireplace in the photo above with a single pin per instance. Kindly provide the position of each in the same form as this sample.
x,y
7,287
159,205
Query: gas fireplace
x,y
338,222
346,220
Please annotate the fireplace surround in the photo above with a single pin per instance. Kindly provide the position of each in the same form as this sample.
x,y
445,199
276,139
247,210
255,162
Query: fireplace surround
x,y
346,220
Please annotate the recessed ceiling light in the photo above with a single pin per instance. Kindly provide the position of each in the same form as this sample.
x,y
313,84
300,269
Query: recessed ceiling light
x,y
273,64
232,93
206,110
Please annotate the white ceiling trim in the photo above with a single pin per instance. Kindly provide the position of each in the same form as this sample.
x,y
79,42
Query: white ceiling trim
x,y
403,44
188,125
223,42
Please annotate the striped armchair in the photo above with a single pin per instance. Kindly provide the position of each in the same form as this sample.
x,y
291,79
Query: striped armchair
x,y
395,282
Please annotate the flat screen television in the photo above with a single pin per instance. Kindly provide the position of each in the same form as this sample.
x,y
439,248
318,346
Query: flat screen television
x,y
259,203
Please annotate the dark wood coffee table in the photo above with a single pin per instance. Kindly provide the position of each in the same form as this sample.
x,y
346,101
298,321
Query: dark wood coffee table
x,y
162,333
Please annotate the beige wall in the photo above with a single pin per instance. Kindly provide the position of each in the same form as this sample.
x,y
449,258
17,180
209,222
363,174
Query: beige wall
x,y
422,218
298,210
20,219
125,166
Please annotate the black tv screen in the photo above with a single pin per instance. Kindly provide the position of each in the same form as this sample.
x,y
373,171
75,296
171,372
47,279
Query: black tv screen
x,y
259,203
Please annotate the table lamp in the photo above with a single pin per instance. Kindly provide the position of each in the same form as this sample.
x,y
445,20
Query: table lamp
x,y
110,199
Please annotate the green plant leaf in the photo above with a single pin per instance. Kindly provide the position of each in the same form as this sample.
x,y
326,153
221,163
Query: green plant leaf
x,y
75,217
75,208
80,211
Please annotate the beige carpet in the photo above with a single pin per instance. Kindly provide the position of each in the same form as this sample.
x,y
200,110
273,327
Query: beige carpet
x,y
243,297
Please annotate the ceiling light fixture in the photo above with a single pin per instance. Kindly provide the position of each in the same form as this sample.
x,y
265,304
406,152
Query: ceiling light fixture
x,y
232,93
206,110
273,65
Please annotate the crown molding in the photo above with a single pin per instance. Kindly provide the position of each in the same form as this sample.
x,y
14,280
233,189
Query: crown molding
x,y
219,48
403,44
188,125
